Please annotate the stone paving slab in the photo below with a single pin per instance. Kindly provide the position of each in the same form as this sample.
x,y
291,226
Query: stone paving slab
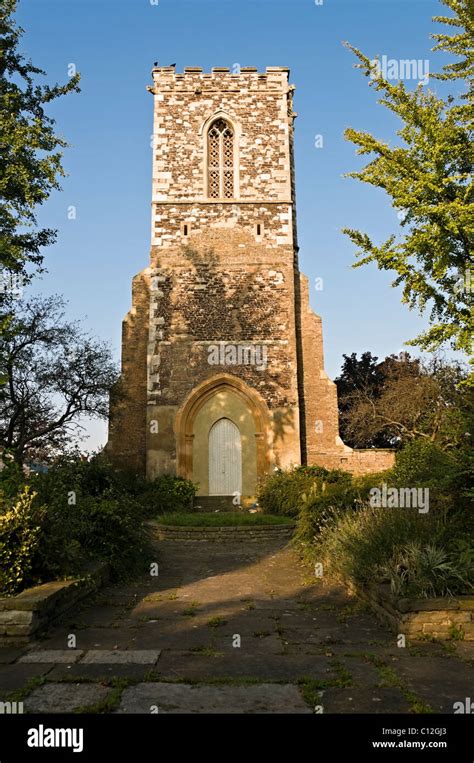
x,y
99,616
183,698
53,656
117,657
465,650
64,697
439,681
183,665
9,654
90,638
362,700
101,672
16,676
182,636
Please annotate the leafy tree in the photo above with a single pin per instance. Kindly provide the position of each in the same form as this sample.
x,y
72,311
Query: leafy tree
x,y
55,373
30,162
402,400
356,376
428,176
359,374
460,43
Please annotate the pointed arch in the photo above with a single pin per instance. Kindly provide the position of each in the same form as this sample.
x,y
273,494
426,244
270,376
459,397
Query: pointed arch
x,y
185,418
220,135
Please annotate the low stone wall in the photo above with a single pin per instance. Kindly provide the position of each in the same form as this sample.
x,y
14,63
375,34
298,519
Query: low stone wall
x,y
233,534
443,618
24,616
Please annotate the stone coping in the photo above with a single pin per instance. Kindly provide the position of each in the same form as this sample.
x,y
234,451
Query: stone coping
x,y
25,615
214,528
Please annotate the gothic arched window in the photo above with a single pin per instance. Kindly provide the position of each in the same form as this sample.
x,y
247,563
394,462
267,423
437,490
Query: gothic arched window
x,y
220,160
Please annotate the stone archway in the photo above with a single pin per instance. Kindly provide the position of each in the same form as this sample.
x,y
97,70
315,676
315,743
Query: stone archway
x,y
222,396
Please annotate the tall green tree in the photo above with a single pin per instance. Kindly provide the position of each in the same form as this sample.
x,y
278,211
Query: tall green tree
x,y
30,158
428,175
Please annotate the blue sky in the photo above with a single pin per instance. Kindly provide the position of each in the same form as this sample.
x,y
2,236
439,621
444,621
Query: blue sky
x,y
113,43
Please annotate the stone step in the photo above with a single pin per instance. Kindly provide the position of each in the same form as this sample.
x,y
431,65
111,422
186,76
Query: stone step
x,y
210,503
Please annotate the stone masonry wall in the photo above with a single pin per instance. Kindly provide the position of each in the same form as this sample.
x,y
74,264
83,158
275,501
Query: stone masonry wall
x,y
224,271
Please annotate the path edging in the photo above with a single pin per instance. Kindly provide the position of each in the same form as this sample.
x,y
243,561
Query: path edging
x,y
442,618
223,534
23,616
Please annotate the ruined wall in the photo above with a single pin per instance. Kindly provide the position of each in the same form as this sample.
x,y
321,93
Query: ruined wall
x,y
126,444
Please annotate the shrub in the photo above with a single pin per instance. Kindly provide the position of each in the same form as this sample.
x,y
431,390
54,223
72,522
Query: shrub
x,y
93,477
95,528
11,476
92,512
357,545
427,571
77,512
422,463
327,499
20,533
282,492
168,493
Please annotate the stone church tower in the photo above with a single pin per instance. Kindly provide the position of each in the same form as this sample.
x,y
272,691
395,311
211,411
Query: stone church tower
x,y
222,358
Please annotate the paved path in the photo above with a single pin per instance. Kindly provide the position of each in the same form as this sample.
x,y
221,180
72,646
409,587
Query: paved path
x,y
232,628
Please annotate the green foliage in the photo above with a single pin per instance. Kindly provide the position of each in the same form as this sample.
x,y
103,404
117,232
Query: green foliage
x,y
11,476
459,44
427,571
86,476
31,152
282,491
420,555
168,494
84,511
428,176
356,545
390,403
95,528
323,504
423,463
20,536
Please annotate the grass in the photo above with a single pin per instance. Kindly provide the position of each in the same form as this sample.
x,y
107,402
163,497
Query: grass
x,y
222,519
191,610
216,622
390,678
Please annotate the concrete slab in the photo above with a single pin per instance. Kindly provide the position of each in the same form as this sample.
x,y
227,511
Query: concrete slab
x,y
17,676
169,698
361,700
64,697
53,656
132,656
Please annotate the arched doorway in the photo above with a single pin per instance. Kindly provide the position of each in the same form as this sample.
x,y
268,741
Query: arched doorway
x,y
223,397
225,458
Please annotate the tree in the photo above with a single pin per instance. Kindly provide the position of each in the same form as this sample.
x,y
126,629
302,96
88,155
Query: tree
x,y
55,373
459,44
357,375
428,176
401,400
30,163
